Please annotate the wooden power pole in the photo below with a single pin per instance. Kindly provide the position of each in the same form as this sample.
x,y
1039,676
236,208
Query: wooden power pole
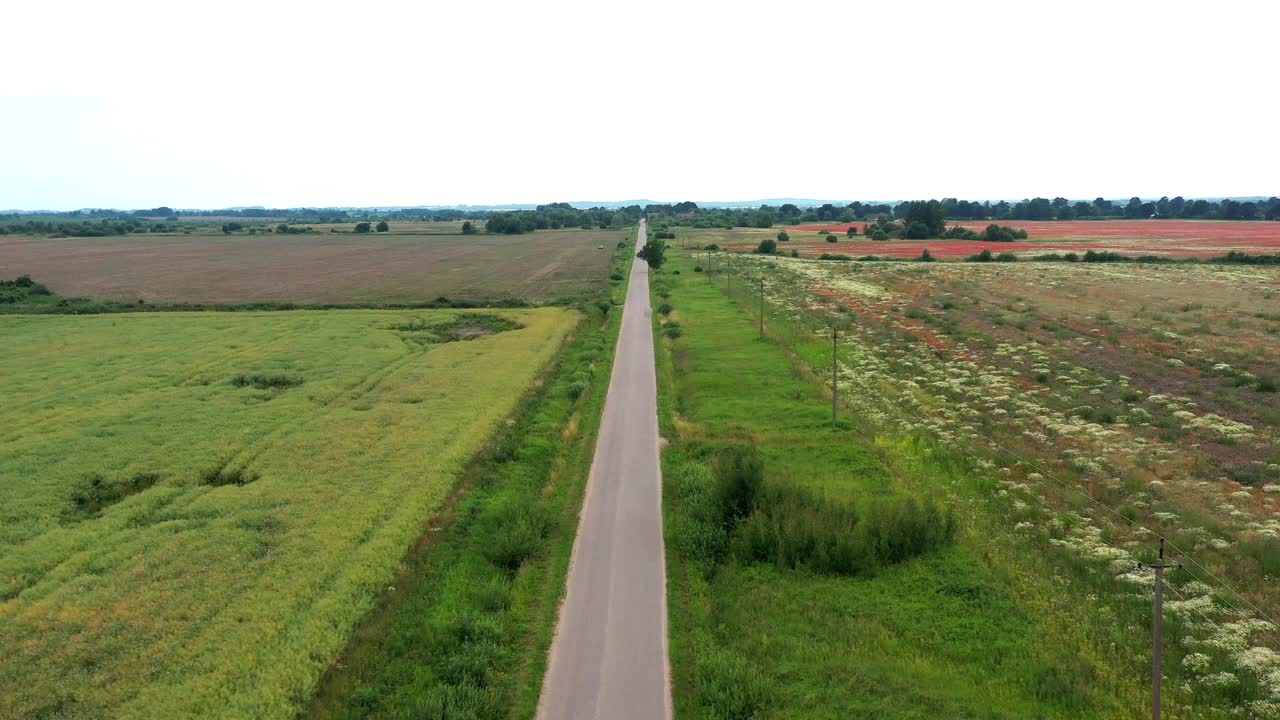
x,y
1157,632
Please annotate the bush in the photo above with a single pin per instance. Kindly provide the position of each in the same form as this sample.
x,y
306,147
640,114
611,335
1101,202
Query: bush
x,y
917,231
672,330
1266,385
1243,258
665,308
1001,233
832,238
795,253
877,234
956,232
767,247
1006,257
984,256
792,528
697,268
1104,256
362,227
711,246
383,226
615,276
468,228
739,472
517,537
834,256
783,236
926,256
853,230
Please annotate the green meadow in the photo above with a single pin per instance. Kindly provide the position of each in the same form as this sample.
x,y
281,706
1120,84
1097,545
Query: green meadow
x,y
833,573
197,508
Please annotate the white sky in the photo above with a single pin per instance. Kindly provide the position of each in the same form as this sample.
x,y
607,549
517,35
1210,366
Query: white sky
x,y
138,103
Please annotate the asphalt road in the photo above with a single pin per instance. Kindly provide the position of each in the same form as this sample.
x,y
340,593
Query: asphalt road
x,y
609,656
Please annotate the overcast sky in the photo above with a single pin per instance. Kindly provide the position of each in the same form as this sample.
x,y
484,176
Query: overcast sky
x,y
138,103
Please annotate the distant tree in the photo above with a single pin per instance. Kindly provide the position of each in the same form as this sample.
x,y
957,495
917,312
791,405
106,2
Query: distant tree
x,y
468,228
767,246
783,236
231,227
1273,209
789,210
853,230
383,226
654,253
282,227
362,227
926,256
917,231
927,214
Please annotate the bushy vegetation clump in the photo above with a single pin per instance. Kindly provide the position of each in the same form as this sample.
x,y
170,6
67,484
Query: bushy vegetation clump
x,y
729,511
22,289
1002,233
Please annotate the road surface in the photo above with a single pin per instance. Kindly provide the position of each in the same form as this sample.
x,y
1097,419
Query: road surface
x,y
609,656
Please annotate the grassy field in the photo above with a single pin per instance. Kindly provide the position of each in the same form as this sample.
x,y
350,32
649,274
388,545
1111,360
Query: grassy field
x,y
1091,408
397,267
774,624
197,508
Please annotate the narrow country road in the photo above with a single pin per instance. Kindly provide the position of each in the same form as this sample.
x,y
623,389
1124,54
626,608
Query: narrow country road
x,y
609,656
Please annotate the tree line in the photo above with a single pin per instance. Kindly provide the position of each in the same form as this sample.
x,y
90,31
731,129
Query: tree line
x,y
555,216
689,214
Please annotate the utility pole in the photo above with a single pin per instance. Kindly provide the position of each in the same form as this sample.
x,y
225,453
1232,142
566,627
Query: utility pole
x,y
835,394
1157,631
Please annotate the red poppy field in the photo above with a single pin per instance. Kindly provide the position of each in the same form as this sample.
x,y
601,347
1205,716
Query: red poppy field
x,y
1169,238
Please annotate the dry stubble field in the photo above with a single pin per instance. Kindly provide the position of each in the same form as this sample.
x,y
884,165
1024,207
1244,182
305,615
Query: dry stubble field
x,y
322,267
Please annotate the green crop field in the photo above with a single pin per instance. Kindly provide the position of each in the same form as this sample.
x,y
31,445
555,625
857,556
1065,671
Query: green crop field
x,y
196,508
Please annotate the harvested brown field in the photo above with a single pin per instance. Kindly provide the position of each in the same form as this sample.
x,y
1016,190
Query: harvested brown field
x,y
319,267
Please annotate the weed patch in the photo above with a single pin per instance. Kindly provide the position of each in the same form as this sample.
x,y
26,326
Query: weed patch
x,y
96,493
